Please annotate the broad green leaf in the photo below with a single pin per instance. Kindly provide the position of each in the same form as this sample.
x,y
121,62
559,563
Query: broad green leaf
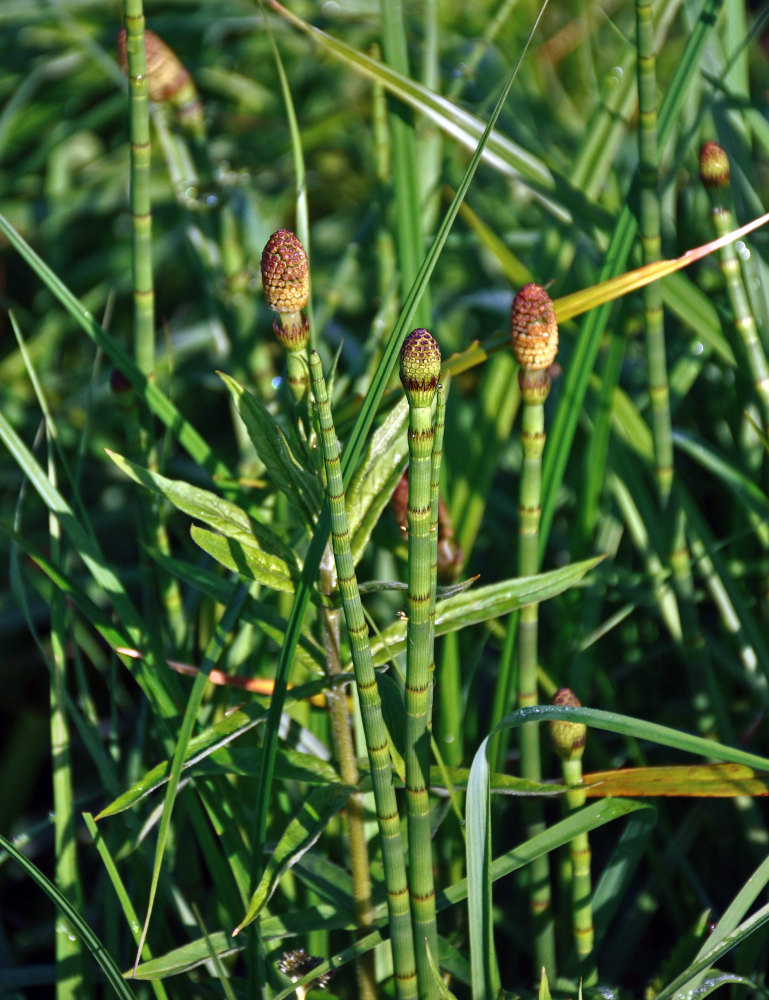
x,y
484,603
300,486
694,780
203,505
249,562
318,810
372,486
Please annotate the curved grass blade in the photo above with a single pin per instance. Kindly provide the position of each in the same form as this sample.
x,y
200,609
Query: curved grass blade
x,y
318,810
214,650
112,974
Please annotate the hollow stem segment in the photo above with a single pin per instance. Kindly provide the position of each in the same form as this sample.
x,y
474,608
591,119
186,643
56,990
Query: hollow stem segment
x,y
649,227
374,728
286,281
568,739
715,175
535,344
420,365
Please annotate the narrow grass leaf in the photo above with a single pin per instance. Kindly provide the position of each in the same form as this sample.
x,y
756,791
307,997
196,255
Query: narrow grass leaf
x,y
318,810
214,650
82,541
111,972
122,894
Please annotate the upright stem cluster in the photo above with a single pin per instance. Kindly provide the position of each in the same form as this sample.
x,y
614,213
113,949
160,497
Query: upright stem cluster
x,y
374,728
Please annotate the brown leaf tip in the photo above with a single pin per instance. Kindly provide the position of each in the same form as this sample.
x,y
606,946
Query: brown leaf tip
x,y
714,165
568,738
285,273
533,328
420,367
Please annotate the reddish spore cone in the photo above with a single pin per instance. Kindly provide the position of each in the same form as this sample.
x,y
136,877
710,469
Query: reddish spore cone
x,y
420,367
533,328
285,273
714,165
568,738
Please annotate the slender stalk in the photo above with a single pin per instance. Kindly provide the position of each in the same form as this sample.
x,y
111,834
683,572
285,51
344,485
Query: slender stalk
x,y
69,956
141,215
649,227
535,344
336,700
568,739
374,727
714,173
420,369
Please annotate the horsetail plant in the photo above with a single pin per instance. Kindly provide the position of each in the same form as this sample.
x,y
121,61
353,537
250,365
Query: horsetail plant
x,y
651,249
568,740
286,280
688,635
420,368
168,82
534,332
715,176
374,728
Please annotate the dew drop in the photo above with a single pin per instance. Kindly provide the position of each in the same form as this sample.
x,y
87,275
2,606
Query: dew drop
x,y
276,382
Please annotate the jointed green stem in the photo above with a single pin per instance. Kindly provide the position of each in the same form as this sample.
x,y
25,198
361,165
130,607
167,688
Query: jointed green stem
x,y
419,679
717,186
374,726
534,386
360,867
141,216
649,224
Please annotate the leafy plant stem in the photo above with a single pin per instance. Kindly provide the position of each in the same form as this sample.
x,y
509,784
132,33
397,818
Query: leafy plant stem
x,y
374,727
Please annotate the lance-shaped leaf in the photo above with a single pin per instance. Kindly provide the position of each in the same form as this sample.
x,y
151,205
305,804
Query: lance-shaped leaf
x,y
484,603
301,833
374,483
249,562
300,486
210,753
213,510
